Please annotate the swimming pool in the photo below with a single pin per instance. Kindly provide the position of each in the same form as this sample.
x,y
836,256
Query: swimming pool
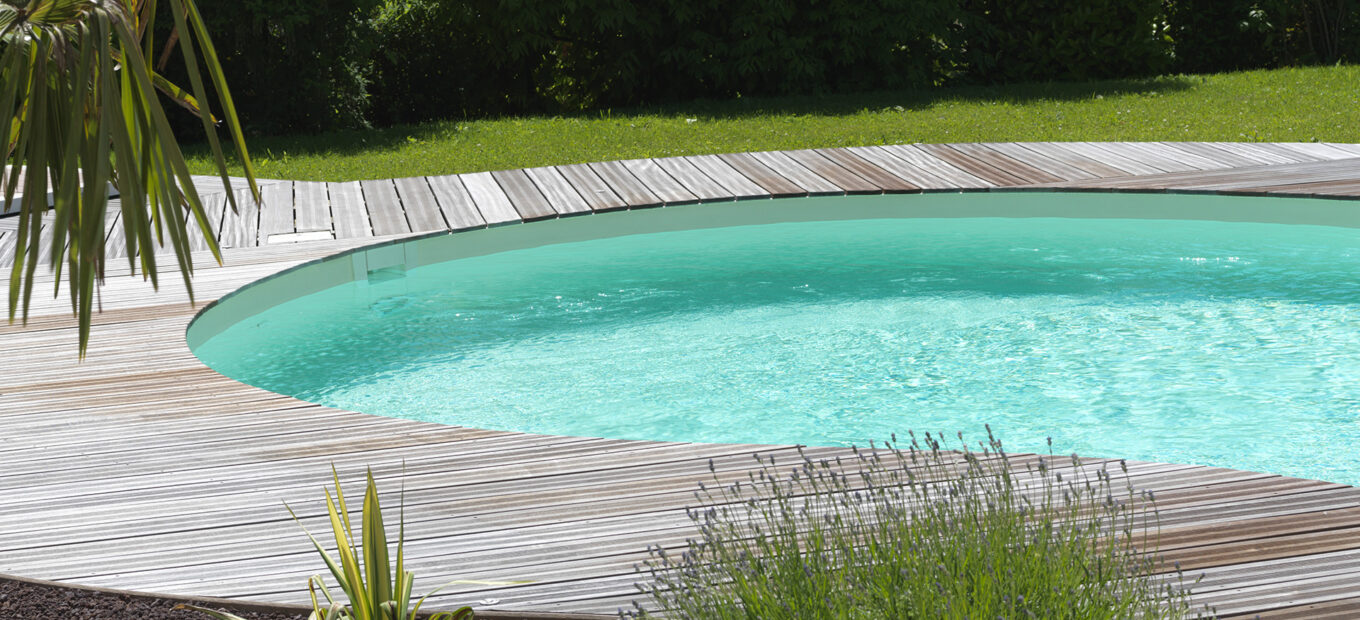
x,y
1193,329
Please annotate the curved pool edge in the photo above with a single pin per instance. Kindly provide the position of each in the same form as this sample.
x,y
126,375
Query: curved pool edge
x,y
110,504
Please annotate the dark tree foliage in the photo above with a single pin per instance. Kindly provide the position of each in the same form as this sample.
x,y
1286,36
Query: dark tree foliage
x,y
295,66
1036,40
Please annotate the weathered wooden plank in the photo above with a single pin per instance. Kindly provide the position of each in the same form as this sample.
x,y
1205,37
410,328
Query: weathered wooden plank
x,y
561,196
1316,150
1286,152
420,205
1255,153
240,228
1151,158
890,182
1096,151
972,165
915,156
1173,156
661,183
276,211
348,211
787,167
726,176
490,199
459,210
524,195
1212,152
624,185
592,188
1026,173
693,179
836,174
384,208
1057,152
914,175
760,174
312,204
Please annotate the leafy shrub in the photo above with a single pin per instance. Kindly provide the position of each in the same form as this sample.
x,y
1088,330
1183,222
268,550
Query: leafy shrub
x,y
446,59
295,66
1220,35
1223,35
1036,40
918,533
457,57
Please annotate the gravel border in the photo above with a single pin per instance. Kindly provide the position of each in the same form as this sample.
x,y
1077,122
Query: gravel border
x,y
22,598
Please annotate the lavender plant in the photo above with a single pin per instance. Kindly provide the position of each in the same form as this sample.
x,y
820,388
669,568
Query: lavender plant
x,y
920,532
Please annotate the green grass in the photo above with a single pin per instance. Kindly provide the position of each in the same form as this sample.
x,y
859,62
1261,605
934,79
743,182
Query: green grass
x,y
1286,105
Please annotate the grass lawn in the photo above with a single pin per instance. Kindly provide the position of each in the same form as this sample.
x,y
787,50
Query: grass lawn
x,y
1286,105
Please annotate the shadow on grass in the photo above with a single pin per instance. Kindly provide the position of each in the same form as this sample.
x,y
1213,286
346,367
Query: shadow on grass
x,y
352,141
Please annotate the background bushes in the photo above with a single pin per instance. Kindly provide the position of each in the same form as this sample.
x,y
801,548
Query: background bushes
x,y
1033,40
298,66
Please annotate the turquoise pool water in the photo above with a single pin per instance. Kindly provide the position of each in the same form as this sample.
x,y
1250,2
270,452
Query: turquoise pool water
x,y
1230,344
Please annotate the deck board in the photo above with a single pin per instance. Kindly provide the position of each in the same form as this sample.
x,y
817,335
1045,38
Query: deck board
x,y
689,176
597,194
420,205
491,200
561,197
100,492
528,201
459,210
348,210
384,208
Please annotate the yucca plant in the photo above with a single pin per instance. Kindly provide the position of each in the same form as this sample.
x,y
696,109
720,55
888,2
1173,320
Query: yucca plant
x,y
374,588
79,110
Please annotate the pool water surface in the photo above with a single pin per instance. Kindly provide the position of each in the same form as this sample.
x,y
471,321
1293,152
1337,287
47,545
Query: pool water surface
x,y
1228,344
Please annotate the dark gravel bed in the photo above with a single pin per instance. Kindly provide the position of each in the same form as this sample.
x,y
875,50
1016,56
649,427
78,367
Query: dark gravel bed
x,y
22,600
30,599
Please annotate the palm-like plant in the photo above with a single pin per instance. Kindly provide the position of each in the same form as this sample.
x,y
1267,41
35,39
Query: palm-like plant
x,y
79,111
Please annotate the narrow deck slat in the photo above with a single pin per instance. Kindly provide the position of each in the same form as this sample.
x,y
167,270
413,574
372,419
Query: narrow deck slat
x,y
384,208
313,207
459,210
895,165
276,211
693,179
760,174
833,172
624,185
422,210
972,165
1055,151
1151,156
490,199
736,183
659,182
559,193
592,188
1209,151
914,156
1097,151
348,210
240,227
524,195
812,183
1024,173
890,182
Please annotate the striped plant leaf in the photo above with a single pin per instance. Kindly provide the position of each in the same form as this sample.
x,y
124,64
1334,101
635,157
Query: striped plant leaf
x,y
80,109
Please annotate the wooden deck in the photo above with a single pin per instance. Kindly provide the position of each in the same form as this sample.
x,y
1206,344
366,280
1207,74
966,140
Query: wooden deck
x,y
144,470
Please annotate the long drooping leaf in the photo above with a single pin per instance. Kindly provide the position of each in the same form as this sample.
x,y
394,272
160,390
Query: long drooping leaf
x,y
80,111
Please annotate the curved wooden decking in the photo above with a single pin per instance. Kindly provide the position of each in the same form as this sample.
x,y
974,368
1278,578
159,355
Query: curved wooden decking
x,y
142,469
